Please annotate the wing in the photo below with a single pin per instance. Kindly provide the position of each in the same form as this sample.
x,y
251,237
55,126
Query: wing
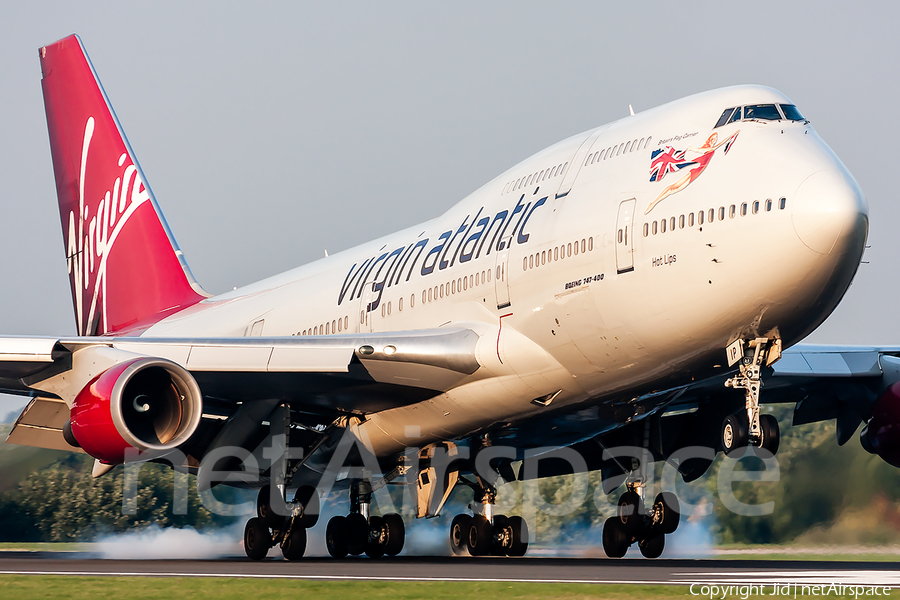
x,y
323,377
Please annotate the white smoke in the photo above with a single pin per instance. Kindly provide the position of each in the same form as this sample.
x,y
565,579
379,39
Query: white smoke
x,y
154,543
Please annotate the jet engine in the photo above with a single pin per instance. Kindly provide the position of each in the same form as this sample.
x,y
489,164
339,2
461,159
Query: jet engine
x,y
881,435
148,404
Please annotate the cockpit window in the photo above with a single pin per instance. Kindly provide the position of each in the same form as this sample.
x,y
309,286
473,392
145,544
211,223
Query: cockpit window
x,y
765,112
724,118
791,113
736,116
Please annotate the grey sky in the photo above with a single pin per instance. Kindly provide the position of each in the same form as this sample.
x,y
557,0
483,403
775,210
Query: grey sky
x,y
269,134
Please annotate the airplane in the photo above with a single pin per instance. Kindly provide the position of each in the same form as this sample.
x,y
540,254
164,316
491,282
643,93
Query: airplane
x,y
642,284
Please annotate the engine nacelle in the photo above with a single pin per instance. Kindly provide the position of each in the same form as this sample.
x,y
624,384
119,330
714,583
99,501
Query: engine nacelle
x,y
881,435
149,404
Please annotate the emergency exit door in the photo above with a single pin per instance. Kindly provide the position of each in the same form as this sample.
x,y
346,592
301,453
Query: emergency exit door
x,y
625,237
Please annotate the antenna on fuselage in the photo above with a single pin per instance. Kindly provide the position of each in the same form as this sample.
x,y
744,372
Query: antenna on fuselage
x,y
631,110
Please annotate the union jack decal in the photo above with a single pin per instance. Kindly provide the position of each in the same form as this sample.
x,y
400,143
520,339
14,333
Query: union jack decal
x,y
667,160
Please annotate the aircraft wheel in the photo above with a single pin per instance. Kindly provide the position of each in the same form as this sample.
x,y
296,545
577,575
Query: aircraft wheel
x,y
653,547
336,537
459,534
375,545
671,511
257,539
356,529
615,540
480,534
503,530
294,546
629,513
519,536
264,509
771,434
395,534
308,497
735,433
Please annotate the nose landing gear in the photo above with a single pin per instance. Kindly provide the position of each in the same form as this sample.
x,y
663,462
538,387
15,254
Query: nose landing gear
x,y
748,427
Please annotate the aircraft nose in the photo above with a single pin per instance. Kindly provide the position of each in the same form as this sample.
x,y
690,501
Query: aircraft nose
x,y
827,209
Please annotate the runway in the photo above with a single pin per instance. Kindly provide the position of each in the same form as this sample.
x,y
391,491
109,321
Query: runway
x,y
534,570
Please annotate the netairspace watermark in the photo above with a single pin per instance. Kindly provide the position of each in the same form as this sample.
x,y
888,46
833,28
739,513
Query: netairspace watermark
x,y
786,590
272,464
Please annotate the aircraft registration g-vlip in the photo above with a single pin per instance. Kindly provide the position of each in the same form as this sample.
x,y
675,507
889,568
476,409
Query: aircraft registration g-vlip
x,y
633,285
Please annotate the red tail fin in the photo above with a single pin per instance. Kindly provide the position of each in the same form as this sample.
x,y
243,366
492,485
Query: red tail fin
x,y
125,269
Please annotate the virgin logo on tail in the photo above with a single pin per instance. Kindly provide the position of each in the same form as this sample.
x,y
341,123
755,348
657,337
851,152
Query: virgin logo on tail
x,y
91,234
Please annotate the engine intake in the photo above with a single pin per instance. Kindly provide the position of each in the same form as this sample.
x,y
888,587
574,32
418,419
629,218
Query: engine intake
x,y
149,404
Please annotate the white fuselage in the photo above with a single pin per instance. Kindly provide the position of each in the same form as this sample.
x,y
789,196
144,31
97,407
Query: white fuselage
x,y
575,289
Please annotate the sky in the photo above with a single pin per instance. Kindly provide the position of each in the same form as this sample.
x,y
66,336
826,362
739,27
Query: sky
x,y
270,134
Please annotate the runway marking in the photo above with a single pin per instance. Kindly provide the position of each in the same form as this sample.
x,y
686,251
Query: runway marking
x,y
330,577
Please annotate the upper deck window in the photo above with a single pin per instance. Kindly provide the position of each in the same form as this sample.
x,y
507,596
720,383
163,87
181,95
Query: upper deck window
x,y
765,112
791,113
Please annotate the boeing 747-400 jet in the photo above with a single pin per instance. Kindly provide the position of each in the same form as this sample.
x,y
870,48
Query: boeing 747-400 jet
x,y
631,286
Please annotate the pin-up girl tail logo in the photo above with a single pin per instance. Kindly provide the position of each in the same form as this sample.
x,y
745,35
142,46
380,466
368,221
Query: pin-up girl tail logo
x,y
668,160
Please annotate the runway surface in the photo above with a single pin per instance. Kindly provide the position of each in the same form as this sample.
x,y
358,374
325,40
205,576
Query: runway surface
x,y
555,570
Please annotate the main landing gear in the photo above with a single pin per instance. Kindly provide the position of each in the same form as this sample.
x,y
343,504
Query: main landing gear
x,y
486,533
748,427
269,529
636,522
359,533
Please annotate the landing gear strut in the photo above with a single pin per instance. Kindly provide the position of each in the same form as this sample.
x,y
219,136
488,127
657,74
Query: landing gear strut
x,y
359,532
269,528
486,533
748,427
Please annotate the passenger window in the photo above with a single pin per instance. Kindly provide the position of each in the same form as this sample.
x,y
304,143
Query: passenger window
x,y
744,209
541,175
602,155
412,300
400,304
346,321
700,217
334,326
576,248
316,330
782,203
620,236
756,207
555,253
732,211
628,147
543,257
441,289
721,213
453,287
584,244
712,215
724,118
429,295
662,226
654,227
465,283
681,222
383,310
672,224
646,229
768,205
588,161
531,261
590,244
691,220
615,148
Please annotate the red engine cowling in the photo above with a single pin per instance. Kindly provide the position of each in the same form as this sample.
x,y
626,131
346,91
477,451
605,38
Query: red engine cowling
x,y
149,404
881,435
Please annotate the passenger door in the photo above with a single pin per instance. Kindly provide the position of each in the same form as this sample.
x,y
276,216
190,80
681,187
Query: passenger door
x,y
625,237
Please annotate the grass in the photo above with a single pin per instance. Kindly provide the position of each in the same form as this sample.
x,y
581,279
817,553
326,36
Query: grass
x,y
140,588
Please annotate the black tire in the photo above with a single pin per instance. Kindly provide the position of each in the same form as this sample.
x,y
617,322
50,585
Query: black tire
x,y
615,540
501,526
336,537
395,533
519,536
735,433
653,547
309,499
257,539
771,433
630,513
294,546
480,536
671,512
356,529
265,512
459,534
374,545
